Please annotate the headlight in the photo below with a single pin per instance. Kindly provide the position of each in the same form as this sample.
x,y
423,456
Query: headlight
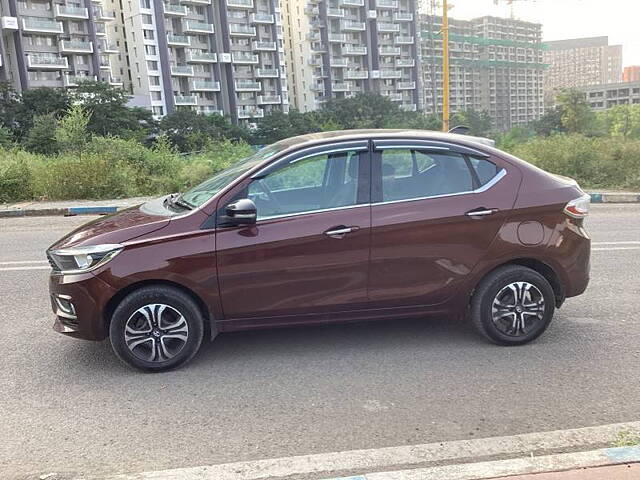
x,y
82,259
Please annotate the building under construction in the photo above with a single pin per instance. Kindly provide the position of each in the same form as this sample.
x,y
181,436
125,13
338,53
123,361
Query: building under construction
x,y
496,64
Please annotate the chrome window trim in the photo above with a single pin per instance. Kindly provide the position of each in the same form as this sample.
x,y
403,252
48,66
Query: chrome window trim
x,y
309,212
499,176
357,146
327,152
397,143
411,147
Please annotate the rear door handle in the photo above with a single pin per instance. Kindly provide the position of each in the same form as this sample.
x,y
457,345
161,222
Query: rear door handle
x,y
481,212
340,231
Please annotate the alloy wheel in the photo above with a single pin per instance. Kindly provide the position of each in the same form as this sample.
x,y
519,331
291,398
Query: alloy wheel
x,y
517,308
156,332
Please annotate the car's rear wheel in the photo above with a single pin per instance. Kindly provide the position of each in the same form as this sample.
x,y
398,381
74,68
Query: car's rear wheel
x,y
512,305
156,328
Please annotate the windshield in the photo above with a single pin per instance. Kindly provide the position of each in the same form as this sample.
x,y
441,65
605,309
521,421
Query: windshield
x,y
202,193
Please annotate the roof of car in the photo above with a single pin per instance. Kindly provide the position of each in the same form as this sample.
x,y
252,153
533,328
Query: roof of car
x,y
322,137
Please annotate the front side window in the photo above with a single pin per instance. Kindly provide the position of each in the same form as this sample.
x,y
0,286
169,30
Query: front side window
x,y
200,194
410,174
318,182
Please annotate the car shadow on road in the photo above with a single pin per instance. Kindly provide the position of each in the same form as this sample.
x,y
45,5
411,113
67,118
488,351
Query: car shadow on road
x,y
301,342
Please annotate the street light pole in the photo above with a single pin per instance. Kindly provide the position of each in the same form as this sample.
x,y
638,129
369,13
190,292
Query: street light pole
x,y
445,67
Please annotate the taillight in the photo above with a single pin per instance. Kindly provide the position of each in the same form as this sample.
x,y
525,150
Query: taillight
x,y
579,207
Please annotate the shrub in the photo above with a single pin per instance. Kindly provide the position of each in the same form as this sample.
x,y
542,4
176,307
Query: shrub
x,y
68,177
592,162
16,175
110,168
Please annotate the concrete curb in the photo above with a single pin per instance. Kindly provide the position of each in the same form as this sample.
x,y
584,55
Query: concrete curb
x,y
441,458
66,211
518,466
615,197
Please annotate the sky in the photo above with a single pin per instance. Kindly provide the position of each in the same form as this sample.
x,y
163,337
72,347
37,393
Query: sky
x,y
561,19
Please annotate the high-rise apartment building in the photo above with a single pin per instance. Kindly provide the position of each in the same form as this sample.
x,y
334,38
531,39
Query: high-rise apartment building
x,y
581,62
495,65
338,48
223,57
49,43
631,74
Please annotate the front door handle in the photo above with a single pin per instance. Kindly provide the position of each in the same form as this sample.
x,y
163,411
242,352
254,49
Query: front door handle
x,y
340,231
481,212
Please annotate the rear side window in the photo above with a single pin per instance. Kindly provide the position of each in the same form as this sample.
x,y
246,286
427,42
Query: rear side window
x,y
410,174
484,169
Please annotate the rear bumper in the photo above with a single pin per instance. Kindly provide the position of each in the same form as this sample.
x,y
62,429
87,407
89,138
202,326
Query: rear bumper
x,y
78,303
576,262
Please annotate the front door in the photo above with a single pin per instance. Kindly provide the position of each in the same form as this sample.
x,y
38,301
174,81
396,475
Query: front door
x,y
308,253
435,213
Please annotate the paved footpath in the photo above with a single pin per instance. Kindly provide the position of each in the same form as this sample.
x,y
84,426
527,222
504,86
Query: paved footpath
x,y
617,472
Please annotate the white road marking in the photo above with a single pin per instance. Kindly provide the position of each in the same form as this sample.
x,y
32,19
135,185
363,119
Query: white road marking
x,y
16,269
613,249
20,262
384,459
616,243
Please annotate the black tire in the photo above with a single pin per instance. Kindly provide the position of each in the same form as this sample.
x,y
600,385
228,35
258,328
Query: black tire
x,y
175,335
508,282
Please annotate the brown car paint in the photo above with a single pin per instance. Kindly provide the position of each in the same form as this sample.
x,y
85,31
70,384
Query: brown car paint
x,y
409,258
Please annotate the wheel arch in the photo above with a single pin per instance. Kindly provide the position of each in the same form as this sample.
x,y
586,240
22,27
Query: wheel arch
x,y
539,266
209,322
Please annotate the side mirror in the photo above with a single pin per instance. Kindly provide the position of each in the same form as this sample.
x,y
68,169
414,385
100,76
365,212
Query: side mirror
x,y
241,212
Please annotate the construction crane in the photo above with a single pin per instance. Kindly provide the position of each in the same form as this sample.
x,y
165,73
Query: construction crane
x,y
445,66
445,58
510,3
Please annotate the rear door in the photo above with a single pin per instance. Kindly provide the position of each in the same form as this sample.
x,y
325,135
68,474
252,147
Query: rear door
x,y
436,210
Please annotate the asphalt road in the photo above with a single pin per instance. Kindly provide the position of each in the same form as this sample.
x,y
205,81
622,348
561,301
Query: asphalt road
x,y
71,406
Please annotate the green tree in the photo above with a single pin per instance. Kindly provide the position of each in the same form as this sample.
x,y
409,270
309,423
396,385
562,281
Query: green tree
x,y
190,131
41,137
575,114
479,123
9,104
365,110
41,101
513,137
110,114
621,121
6,138
549,123
71,133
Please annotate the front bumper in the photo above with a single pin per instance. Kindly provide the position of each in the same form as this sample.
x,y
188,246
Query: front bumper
x,y
78,302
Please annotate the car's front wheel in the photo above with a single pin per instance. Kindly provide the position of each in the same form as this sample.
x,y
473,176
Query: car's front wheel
x,y
156,328
512,305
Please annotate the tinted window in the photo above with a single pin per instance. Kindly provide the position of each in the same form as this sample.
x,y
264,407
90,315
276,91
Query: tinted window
x,y
207,189
315,183
408,174
485,169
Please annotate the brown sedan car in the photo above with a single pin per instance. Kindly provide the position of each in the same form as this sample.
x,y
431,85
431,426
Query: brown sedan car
x,y
329,227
